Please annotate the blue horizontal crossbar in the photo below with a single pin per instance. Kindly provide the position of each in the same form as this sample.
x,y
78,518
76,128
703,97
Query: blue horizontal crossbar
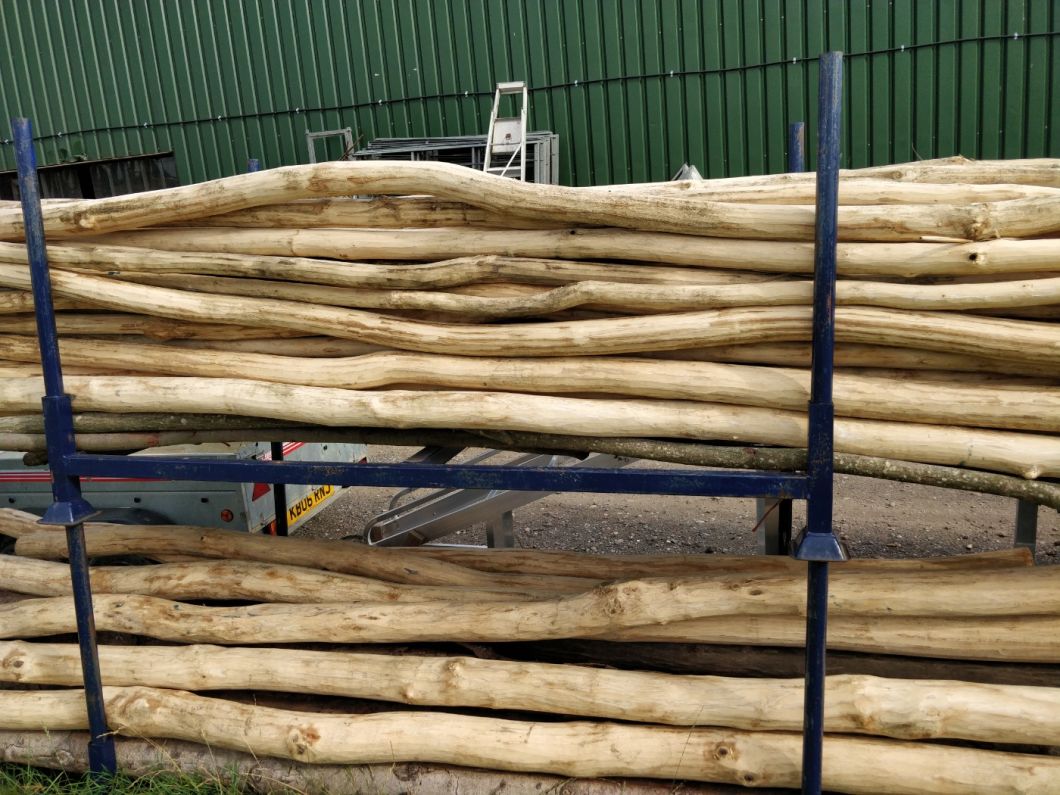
x,y
688,482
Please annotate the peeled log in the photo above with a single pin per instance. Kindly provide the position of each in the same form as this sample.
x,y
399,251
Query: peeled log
x,y
1026,639
1024,295
1029,639
553,562
958,170
770,661
13,302
1029,455
877,260
904,709
1037,343
633,607
416,212
235,579
392,565
1033,407
114,324
67,751
449,274
572,748
112,539
788,354
631,210
406,212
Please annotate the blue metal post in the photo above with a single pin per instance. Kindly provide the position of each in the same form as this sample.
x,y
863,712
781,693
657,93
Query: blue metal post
x,y
819,544
279,494
69,508
797,147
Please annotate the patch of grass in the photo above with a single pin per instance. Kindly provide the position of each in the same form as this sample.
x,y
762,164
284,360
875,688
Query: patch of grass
x,y
23,780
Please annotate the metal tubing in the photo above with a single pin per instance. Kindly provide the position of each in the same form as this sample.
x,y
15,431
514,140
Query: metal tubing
x,y
687,482
69,508
819,543
773,520
797,147
813,691
279,494
101,753
33,222
1026,525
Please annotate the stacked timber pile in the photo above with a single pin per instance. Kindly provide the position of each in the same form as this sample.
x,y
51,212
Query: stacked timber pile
x,y
328,653
448,301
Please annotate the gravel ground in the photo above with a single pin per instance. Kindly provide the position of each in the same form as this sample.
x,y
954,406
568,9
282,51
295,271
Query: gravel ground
x,y
876,518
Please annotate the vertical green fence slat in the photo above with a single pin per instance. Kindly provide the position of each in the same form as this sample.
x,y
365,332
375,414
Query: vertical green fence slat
x,y
947,95
714,96
1015,55
659,82
992,88
1037,90
858,88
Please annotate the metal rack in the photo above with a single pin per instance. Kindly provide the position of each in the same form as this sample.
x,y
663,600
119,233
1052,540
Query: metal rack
x,y
817,545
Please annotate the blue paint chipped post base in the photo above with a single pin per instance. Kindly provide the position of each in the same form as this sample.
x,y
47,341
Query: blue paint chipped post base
x,y
818,544
69,508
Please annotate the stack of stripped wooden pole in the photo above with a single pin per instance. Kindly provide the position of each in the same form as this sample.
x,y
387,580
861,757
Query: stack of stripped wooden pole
x,y
399,296
333,654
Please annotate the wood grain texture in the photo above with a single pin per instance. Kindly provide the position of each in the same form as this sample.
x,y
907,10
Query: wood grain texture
x,y
902,709
570,748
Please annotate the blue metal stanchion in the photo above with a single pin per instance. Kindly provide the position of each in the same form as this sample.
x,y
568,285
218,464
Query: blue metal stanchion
x,y
69,508
818,544
279,494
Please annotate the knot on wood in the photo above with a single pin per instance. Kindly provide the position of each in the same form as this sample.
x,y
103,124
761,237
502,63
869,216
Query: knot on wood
x,y
301,739
12,663
724,752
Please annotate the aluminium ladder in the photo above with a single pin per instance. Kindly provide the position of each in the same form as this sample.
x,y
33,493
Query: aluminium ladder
x,y
506,137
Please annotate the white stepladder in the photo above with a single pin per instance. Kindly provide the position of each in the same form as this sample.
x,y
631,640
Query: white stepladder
x,y
506,138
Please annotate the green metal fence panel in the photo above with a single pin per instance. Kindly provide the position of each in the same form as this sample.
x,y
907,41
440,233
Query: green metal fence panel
x,y
634,88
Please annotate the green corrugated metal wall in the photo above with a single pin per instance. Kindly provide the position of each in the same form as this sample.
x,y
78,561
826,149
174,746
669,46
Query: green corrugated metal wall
x,y
633,87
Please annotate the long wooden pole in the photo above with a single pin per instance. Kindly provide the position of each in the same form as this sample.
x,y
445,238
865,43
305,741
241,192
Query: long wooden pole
x,y
639,606
1032,407
237,580
110,539
1029,455
1017,295
898,708
65,750
574,749
448,274
158,328
786,354
874,260
412,212
1025,639
1022,340
631,210
391,565
769,661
